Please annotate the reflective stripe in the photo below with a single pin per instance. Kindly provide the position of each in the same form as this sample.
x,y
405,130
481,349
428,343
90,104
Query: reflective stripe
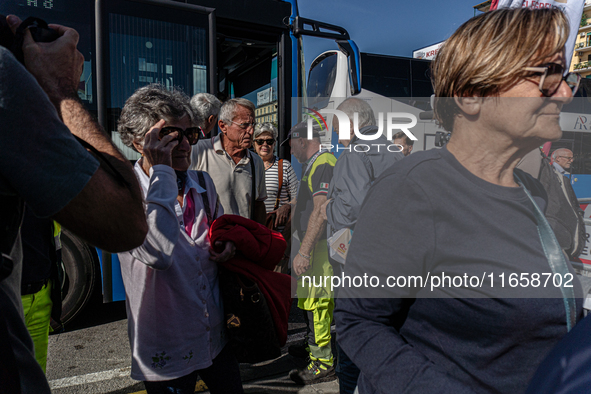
x,y
57,233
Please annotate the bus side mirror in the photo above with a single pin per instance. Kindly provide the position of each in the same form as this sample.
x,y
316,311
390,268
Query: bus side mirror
x,y
349,48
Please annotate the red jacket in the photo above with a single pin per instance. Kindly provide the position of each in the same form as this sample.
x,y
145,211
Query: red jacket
x,y
258,250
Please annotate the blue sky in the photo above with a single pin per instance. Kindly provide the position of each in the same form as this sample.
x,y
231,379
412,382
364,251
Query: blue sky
x,y
391,27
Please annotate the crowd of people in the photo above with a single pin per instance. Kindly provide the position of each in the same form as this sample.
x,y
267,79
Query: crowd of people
x,y
465,209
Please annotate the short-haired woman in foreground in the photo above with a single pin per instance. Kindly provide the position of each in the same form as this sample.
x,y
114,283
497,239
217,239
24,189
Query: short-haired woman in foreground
x,y
465,212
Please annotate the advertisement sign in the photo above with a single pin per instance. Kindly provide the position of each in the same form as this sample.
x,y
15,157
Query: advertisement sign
x,y
264,96
427,53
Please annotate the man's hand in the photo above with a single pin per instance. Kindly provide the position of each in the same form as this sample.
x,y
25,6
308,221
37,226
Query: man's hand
x,y
158,151
224,255
56,65
300,265
106,213
323,207
282,215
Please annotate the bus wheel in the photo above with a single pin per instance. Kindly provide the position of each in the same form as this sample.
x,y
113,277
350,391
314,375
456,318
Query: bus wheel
x,y
80,275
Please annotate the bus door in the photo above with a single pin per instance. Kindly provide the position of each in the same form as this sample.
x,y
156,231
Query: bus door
x,y
250,65
143,42
187,46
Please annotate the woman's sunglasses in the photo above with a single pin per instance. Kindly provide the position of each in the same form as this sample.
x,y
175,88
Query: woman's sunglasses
x,y
192,133
552,76
269,141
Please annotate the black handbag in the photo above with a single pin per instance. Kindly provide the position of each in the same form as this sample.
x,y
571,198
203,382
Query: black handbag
x,y
250,325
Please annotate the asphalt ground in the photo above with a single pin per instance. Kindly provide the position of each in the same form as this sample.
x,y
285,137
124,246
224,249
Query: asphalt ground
x,y
93,357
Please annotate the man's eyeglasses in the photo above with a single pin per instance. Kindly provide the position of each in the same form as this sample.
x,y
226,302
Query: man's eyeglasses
x,y
269,141
552,78
245,125
192,133
568,158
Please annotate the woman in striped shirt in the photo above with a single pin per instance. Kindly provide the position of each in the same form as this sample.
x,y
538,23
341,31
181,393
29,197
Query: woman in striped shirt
x,y
278,197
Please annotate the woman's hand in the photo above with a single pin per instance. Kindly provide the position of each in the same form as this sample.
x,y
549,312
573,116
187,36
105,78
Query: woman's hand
x,y
156,150
224,255
282,214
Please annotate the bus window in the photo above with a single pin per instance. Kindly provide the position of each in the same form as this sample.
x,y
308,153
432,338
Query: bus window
x,y
158,48
321,79
398,77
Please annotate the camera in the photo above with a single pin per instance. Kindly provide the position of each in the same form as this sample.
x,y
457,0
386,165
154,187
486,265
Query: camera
x,y
442,138
14,42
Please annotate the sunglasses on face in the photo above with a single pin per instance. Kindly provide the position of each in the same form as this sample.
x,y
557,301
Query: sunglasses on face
x,y
552,78
269,141
192,133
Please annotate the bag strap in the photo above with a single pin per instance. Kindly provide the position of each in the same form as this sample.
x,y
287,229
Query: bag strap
x,y
280,174
205,199
252,193
555,257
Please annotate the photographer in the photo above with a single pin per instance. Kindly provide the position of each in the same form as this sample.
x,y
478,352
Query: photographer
x,y
42,163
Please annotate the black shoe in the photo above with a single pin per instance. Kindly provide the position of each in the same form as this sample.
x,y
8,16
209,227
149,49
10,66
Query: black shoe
x,y
300,350
315,372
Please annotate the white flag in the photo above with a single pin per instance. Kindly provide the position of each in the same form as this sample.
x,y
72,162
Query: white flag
x,y
572,8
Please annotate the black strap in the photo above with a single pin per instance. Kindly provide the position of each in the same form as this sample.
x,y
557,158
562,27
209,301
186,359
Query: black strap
x,y
205,199
252,193
555,256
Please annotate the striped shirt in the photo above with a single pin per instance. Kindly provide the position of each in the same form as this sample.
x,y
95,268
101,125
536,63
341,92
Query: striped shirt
x,y
290,184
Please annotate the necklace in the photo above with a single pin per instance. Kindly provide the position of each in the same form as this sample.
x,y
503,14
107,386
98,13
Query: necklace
x,y
269,164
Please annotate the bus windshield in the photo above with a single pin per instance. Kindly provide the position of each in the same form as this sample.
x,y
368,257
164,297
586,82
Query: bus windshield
x,y
321,79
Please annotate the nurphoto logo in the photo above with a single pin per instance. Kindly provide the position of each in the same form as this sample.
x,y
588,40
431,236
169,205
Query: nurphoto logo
x,y
344,123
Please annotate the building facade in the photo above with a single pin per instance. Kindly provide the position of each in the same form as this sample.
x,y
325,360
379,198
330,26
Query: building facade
x,y
266,113
581,60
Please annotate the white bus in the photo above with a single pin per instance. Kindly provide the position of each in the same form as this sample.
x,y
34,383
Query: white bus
x,y
388,84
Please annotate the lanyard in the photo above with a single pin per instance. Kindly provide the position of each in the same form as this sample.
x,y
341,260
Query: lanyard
x,y
555,257
311,162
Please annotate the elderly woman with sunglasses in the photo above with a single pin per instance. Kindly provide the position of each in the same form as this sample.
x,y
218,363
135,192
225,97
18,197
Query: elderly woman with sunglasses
x,y
465,304
265,137
175,314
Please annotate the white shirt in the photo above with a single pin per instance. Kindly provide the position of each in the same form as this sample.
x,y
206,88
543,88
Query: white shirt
x,y
559,168
174,308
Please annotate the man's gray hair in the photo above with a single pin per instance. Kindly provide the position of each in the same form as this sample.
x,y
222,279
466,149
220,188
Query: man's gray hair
x,y
204,105
558,151
361,107
265,128
146,107
229,108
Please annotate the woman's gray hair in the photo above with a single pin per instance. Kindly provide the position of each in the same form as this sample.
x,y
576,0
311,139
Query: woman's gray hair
x,y
204,105
354,105
230,106
146,107
265,128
